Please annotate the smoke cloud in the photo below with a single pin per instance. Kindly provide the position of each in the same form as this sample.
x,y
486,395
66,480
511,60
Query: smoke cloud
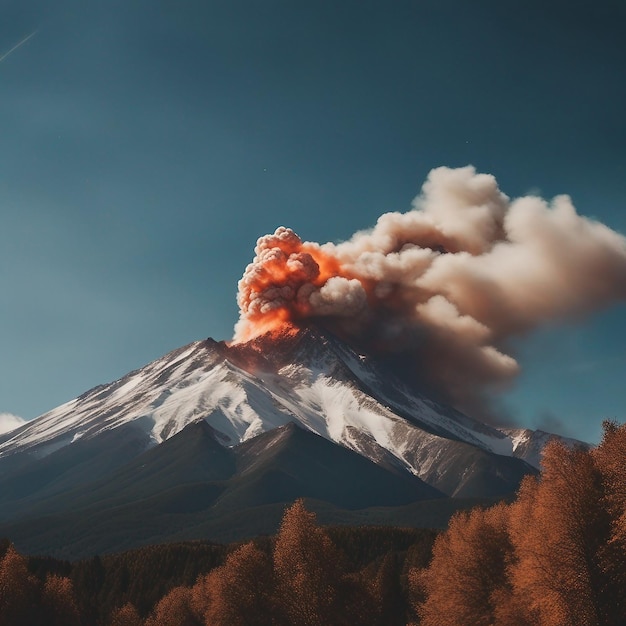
x,y
444,287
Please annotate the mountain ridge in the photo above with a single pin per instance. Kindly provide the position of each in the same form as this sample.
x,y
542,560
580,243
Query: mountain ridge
x,y
245,389
231,428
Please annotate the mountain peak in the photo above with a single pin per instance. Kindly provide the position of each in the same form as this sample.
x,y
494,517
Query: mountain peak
x,y
279,346
298,374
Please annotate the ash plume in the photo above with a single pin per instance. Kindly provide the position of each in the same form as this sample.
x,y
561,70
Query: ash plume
x,y
444,287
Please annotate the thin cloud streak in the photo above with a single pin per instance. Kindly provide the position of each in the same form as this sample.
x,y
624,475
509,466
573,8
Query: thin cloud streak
x,y
18,45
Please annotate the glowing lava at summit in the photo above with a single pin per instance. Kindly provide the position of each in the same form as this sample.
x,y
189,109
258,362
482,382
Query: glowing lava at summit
x,y
285,282
445,284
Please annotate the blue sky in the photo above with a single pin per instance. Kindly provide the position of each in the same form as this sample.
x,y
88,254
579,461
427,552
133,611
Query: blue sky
x,y
145,146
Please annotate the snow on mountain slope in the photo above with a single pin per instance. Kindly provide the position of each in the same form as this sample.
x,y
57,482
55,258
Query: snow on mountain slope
x,y
243,390
529,444
185,385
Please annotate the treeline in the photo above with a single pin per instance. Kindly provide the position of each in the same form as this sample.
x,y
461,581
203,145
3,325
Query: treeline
x,y
556,556
126,588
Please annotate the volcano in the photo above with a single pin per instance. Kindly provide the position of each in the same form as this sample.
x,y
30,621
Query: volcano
x,y
212,440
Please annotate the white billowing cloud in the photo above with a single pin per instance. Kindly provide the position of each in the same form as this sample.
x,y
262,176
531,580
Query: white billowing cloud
x,y
9,422
447,284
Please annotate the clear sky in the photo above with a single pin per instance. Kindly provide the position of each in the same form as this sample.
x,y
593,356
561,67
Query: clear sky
x,y
146,145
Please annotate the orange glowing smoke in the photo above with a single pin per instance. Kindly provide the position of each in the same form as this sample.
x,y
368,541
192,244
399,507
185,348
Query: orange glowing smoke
x,y
272,322
282,283
447,284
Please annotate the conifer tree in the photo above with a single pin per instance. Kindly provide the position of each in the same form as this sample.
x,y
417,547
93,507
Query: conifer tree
x,y
388,592
308,571
239,592
59,602
558,527
610,457
555,557
19,601
126,615
175,609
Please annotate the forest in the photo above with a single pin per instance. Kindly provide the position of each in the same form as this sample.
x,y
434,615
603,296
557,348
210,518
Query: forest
x,y
555,556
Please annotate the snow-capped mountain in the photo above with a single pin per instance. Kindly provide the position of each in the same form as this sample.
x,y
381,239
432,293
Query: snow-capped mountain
x,y
303,375
212,440
529,444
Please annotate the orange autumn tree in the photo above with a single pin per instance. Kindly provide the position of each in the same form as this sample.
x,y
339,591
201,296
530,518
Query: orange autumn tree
x,y
610,456
238,592
303,582
611,459
558,530
126,615
25,601
468,570
312,586
59,603
308,569
18,591
175,609
555,557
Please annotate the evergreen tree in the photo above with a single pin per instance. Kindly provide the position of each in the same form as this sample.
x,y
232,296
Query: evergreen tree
x,y
312,588
19,597
388,592
610,456
239,593
126,615
175,609
558,528
59,602
555,557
